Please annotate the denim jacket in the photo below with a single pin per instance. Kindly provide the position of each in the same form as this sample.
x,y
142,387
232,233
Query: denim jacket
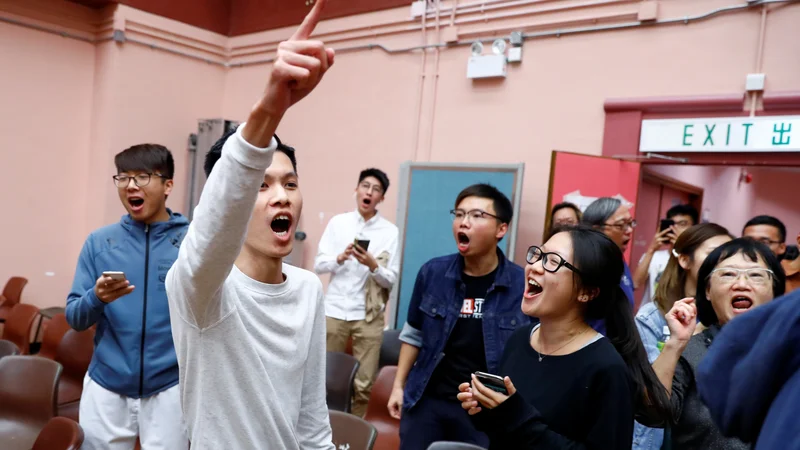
x,y
434,309
650,323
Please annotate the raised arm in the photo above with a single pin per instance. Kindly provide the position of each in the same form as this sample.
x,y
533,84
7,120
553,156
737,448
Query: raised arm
x,y
217,232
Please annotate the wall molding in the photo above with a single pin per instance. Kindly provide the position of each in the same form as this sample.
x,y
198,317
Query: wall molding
x,y
392,30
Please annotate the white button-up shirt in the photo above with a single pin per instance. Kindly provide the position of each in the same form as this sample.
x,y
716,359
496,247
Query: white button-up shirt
x,y
345,299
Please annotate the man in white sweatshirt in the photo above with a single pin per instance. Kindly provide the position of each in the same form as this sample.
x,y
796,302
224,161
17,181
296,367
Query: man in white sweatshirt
x,y
249,330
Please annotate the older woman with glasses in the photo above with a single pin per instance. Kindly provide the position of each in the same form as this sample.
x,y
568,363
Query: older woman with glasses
x,y
575,388
614,219
735,278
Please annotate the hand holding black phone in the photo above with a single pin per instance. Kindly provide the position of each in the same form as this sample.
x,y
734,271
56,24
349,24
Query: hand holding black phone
x,y
493,382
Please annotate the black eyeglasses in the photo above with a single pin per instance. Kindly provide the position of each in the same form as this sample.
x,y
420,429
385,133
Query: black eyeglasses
x,y
551,262
473,214
140,180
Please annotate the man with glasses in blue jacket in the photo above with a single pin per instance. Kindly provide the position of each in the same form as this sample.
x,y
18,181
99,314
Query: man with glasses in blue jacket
x,y
463,309
131,388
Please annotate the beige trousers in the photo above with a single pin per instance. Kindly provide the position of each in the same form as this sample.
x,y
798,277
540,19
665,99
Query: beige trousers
x,y
367,339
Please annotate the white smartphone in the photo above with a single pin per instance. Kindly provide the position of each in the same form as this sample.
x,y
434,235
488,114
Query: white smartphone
x,y
116,276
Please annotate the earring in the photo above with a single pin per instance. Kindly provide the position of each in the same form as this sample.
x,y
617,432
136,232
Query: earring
x,y
583,298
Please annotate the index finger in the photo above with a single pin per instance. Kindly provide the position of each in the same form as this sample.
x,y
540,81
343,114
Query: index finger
x,y
309,23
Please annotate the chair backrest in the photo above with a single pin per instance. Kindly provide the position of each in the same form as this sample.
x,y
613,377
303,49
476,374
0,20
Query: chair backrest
x,y
75,353
351,432
54,330
19,325
60,433
446,445
390,348
378,412
341,371
377,408
12,292
8,348
29,388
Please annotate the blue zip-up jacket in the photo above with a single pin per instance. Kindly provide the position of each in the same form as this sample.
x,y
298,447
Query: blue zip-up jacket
x,y
750,377
436,304
133,350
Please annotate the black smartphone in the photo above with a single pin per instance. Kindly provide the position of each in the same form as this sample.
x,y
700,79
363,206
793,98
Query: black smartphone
x,y
666,223
493,382
363,243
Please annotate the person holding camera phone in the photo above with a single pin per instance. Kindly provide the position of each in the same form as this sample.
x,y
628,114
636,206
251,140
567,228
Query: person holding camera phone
x,y
564,385
359,251
654,261
131,387
463,309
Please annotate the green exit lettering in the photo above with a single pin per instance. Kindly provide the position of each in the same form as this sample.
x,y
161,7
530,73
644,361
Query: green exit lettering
x,y
778,138
687,135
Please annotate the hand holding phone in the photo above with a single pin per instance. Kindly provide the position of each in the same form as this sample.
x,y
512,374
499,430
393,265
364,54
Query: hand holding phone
x,y
362,243
492,382
111,286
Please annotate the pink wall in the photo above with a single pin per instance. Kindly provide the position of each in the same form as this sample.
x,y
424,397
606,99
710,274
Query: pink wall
x,y
731,204
374,109
45,124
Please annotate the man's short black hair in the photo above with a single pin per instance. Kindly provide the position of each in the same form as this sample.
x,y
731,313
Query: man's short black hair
x,y
502,205
378,174
564,205
149,158
215,153
768,220
684,210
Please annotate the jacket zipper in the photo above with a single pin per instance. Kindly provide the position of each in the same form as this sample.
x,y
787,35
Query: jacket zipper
x,y
144,308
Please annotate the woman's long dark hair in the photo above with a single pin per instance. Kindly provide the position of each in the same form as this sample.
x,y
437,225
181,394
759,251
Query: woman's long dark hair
x,y
600,263
671,284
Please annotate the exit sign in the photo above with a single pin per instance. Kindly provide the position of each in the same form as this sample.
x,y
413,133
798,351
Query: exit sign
x,y
725,134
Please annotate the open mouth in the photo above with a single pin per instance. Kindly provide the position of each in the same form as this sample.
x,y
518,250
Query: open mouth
x,y
741,303
136,202
463,241
366,201
281,224
534,288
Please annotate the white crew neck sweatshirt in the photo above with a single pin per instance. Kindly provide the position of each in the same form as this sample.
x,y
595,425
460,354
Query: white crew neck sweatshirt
x,y
251,355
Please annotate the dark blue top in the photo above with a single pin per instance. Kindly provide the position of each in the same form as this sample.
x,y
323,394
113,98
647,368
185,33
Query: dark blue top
x,y
750,377
435,308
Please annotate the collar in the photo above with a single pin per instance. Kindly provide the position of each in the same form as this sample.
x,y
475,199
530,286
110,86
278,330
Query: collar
x,y
361,220
502,277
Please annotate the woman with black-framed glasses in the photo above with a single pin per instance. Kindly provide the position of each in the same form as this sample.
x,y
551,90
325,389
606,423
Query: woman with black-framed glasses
x,y
572,386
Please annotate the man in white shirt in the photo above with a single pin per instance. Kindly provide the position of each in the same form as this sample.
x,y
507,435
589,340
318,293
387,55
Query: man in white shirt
x,y
654,261
248,329
359,250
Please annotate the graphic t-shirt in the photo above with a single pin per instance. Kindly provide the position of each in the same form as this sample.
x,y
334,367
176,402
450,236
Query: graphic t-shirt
x,y
464,352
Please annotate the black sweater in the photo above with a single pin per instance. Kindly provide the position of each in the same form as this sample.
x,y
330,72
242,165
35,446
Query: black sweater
x,y
584,400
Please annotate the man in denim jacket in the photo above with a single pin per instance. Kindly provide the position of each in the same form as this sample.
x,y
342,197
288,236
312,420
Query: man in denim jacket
x,y
463,309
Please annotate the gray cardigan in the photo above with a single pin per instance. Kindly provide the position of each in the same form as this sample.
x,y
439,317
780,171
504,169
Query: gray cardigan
x,y
694,427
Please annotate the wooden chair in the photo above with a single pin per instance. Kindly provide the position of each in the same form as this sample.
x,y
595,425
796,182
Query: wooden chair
x,y
388,427
74,354
60,433
351,432
19,325
54,330
340,371
28,393
12,293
